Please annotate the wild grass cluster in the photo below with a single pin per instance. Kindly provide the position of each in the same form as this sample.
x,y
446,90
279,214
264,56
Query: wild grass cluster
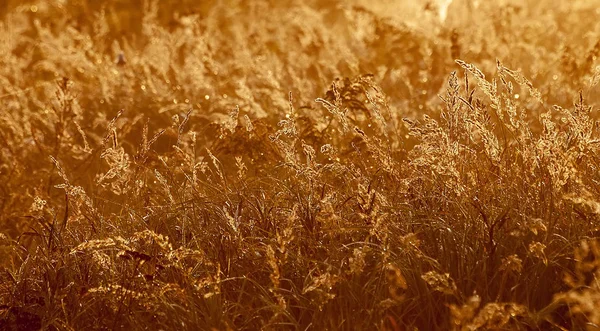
x,y
299,165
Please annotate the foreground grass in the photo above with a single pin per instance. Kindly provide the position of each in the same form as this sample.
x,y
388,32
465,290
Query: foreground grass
x,y
298,165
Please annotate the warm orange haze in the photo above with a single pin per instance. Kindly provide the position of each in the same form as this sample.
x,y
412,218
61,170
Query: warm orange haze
x,y
299,165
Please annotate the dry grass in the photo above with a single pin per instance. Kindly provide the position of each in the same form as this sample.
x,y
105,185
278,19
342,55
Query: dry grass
x,y
324,165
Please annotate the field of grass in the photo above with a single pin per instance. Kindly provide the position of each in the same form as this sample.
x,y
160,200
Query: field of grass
x,y
299,165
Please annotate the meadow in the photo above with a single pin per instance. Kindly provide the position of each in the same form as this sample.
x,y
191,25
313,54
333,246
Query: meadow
x,y
299,165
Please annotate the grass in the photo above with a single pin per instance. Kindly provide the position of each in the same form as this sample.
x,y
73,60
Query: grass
x,y
325,165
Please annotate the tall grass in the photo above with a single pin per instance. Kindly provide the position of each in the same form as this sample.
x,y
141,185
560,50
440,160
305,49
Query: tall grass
x,y
292,164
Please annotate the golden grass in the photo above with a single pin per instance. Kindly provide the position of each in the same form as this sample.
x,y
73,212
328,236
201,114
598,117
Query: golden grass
x,y
325,165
